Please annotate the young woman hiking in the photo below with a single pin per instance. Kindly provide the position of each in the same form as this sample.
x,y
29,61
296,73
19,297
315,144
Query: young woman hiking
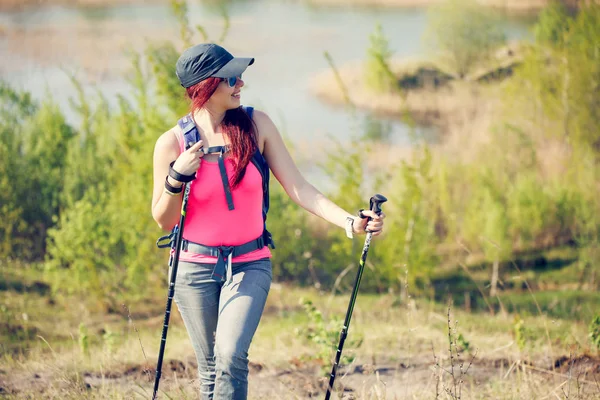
x,y
224,269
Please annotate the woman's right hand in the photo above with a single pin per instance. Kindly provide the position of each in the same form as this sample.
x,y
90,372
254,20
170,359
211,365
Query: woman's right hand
x,y
188,162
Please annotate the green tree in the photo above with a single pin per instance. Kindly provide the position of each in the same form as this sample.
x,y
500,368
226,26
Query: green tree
x,y
558,87
465,32
15,110
35,143
378,75
407,254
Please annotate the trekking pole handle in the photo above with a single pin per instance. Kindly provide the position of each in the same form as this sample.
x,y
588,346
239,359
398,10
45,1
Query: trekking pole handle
x,y
376,202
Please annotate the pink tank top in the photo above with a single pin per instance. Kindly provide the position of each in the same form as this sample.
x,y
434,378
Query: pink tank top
x,y
209,221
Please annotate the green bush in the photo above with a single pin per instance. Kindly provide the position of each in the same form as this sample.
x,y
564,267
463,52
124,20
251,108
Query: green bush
x,y
325,335
15,109
407,254
594,330
35,139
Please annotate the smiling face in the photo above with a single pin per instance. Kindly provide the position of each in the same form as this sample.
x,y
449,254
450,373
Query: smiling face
x,y
226,97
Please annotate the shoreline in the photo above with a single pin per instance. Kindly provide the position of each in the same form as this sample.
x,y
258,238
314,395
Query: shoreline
x,y
20,5
428,107
437,100
510,6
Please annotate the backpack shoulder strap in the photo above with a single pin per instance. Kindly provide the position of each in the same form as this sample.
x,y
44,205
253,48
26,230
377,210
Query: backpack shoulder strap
x,y
257,159
249,110
261,165
258,155
189,131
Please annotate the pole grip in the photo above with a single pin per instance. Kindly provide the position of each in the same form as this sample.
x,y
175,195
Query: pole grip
x,y
375,203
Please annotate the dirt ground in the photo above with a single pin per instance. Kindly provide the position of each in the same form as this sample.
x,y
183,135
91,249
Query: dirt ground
x,y
385,380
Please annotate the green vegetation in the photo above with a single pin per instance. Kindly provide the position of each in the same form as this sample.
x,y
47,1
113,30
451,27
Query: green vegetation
x,y
595,332
508,226
465,32
378,75
77,197
324,336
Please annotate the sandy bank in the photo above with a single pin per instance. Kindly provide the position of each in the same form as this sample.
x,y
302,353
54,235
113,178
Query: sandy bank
x,y
10,5
427,106
517,6
508,5
431,96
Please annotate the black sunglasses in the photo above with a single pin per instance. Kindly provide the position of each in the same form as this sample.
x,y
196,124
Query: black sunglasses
x,y
231,81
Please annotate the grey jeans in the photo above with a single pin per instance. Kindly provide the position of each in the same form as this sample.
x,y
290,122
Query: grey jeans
x,y
221,320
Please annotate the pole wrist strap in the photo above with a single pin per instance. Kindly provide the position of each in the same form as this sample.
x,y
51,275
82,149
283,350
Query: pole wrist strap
x,y
180,177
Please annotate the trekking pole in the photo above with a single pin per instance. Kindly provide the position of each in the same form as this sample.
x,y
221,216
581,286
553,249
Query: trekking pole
x,y
375,205
176,244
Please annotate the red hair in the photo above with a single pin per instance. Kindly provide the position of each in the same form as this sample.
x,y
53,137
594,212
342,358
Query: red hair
x,y
236,124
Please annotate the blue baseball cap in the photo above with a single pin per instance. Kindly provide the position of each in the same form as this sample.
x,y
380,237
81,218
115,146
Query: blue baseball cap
x,y
208,60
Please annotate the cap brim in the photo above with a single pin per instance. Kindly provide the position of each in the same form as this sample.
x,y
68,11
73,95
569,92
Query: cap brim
x,y
235,67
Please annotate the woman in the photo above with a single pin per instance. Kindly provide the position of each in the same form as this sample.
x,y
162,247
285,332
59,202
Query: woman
x,y
221,296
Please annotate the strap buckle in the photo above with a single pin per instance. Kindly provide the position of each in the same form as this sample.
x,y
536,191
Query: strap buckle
x,y
167,240
226,251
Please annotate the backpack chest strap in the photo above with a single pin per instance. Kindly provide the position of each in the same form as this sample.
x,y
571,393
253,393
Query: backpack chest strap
x,y
221,150
216,149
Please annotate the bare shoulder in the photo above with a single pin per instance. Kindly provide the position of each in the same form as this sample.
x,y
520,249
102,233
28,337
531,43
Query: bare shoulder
x,y
266,127
167,144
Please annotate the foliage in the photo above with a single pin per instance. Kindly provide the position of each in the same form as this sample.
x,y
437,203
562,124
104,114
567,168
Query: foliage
x,y
110,340
562,95
520,333
525,336
344,166
325,335
465,32
562,68
15,109
462,344
84,340
34,145
407,253
297,249
594,330
378,75
377,130
78,195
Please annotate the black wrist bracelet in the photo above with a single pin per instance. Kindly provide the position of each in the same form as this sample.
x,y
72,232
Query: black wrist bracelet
x,y
172,189
180,177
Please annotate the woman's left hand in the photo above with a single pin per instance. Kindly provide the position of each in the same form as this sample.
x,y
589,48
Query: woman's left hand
x,y
375,225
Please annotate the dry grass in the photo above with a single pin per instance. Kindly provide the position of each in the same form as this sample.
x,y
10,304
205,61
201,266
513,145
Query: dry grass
x,y
395,360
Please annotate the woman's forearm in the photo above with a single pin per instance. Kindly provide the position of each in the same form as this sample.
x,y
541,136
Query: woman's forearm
x,y
167,210
312,200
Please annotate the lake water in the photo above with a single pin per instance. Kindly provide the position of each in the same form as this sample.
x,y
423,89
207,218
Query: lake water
x,y
287,38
